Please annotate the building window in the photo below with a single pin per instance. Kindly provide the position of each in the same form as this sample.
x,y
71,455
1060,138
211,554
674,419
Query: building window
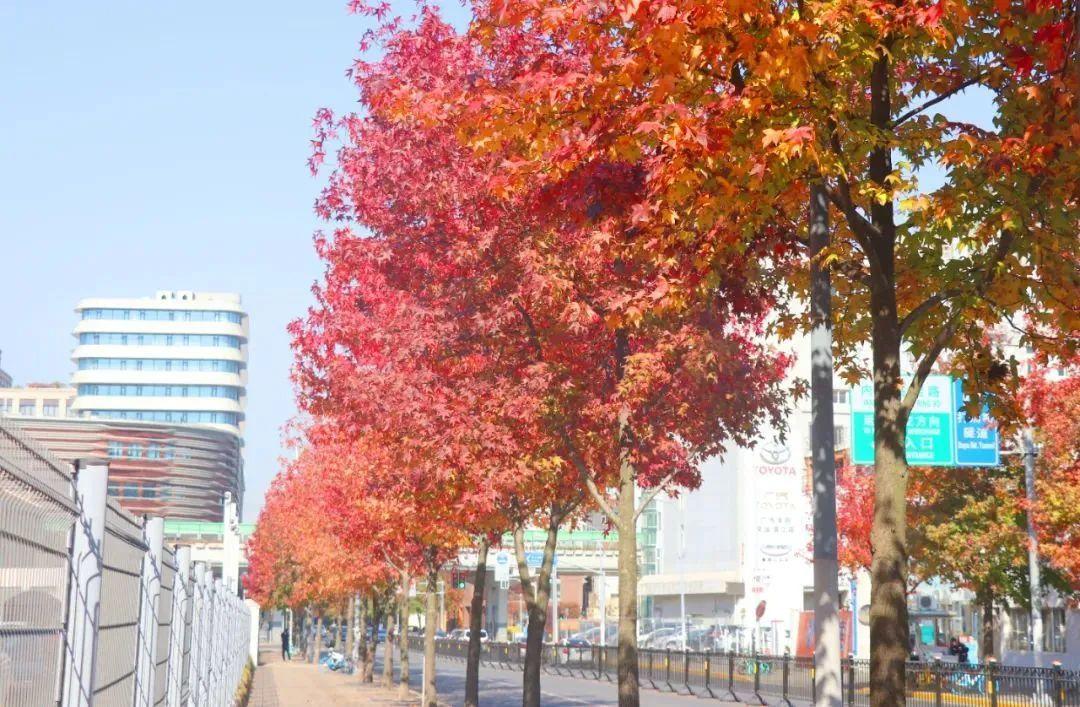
x,y
115,450
50,408
164,315
161,339
27,407
841,436
131,491
840,396
1053,630
1019,637
5,406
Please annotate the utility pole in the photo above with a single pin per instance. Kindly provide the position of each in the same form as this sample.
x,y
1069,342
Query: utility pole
x,y
555,598
682,569
823,448
1035,582
603,599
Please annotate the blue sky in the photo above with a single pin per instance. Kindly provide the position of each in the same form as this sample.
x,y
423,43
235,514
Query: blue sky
x,y
162,145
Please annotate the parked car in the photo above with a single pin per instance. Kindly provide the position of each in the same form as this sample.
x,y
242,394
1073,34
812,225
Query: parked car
x,y
458,634
658,638
483,636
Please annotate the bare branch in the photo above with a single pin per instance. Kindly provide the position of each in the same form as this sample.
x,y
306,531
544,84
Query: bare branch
x,y
941,97
653,493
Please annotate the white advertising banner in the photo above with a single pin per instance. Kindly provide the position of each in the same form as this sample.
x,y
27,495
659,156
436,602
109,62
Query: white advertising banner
x,y
776,531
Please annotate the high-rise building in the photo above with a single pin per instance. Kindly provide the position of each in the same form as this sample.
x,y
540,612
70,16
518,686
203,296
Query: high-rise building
x,y
5,379
178,357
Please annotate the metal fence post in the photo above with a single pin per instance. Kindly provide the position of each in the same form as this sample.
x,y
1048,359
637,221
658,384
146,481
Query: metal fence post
x,y
757,676
731,675
1058,683
937,681
708,673
991,681
786,667
84,601
146,645
177,636
196,675
851,681
214,652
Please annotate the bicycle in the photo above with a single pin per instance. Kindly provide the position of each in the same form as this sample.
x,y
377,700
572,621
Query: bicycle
x,y
962,683
752,667
337,662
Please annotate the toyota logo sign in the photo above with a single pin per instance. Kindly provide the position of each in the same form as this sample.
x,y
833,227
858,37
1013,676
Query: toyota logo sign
x,y
774,453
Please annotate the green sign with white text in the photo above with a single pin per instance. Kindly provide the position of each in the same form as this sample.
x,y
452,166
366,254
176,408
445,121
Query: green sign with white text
x,y
930,439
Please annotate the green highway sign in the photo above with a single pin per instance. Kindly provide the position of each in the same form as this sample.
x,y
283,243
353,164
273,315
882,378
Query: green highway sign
x,y
931,429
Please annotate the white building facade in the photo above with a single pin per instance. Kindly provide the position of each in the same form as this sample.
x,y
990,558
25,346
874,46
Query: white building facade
x,y
178,357
740,544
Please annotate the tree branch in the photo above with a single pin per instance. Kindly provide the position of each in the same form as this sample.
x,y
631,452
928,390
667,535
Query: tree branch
x,y
586,477
928,304
524,576
941,97
653,493
948,329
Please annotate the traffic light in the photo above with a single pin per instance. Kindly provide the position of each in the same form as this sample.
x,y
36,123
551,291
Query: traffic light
x,y
460,583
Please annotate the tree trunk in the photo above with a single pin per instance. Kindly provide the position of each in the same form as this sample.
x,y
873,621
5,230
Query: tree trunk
x,y
537,598
628,575
403,638
318,640
476,616
889,646
305,623
388,650
359,625
430,618
373,642
350,630
986,634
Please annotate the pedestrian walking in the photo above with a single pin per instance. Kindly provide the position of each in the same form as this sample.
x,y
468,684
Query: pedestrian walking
x,y
285,643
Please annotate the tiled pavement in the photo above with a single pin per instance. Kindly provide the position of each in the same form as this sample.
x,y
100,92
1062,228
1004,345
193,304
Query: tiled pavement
x,y
292,683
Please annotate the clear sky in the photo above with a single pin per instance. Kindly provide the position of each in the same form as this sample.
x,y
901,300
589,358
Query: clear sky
x,y
161,145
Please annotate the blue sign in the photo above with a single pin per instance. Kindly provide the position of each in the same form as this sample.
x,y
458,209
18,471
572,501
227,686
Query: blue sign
x,y
534,558
977,442
939,432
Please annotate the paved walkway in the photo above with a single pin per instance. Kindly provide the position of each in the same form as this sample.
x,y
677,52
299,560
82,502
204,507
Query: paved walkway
x,y
293,683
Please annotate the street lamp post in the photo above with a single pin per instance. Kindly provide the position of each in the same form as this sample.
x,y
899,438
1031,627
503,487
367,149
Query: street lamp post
x,y
602,591
1034,580
823,460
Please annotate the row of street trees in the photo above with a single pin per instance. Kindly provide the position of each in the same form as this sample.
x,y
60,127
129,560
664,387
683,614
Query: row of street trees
x,y
563,238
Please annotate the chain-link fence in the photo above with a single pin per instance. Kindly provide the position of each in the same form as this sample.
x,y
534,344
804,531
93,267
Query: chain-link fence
x,y
93,608
786,680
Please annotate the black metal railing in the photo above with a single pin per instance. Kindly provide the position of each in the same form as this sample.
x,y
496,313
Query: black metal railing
x,y
787,680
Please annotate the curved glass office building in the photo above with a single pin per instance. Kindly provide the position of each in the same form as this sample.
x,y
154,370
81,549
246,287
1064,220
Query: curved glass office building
x,y
176,357
171,470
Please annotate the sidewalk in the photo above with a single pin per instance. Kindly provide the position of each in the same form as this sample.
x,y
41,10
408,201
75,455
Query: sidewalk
x,y
292,683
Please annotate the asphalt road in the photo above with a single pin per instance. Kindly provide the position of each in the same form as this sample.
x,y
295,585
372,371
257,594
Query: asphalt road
x,y
502,688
